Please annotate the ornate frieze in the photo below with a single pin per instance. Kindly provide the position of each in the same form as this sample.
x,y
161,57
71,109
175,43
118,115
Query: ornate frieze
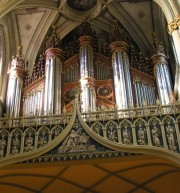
x,y
92,135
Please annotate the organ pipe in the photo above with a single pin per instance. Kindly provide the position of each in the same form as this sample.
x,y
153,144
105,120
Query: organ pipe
x,y
52,103
144,92
86,57
122,80
33,103
161,73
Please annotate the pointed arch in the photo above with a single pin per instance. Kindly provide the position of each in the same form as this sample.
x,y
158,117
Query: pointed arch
x,y
98,128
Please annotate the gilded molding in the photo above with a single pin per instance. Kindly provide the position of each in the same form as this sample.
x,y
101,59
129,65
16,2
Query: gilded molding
x,y
174,25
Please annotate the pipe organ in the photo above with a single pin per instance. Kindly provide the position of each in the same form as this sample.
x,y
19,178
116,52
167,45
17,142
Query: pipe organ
x,y
111,75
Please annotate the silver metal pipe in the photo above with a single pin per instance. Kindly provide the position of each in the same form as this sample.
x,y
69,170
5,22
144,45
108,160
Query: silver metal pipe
x,y
121,73
164,81
46,86
9,94
16,96
129,97
29,103
35,103
57,86
148,94
167,79
88,61
118,82
40,98
15,101
154,96
53,83
19,102
139,94
144,93
124,82
160,86
137,99
12,97
167,72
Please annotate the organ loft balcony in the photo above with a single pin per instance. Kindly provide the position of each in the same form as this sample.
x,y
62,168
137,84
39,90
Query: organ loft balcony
x,y
150,130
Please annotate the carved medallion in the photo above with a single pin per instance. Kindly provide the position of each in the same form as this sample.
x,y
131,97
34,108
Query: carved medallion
x,y
82,5
104,91
69,95
80,10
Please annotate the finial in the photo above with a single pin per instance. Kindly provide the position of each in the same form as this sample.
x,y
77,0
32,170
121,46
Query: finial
x,y
19,50
53,41
117,34
157,46
85,29
18,61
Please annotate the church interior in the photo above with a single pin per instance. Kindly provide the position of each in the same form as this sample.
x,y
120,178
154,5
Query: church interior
x,y
89,96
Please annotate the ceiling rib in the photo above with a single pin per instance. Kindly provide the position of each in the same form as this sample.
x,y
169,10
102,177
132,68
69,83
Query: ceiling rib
x,y
124,179
39,3
130,25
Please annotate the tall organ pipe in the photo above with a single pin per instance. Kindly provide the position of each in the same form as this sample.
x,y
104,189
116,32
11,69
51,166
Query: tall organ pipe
x,y
122,80
161,73
52,102
86,57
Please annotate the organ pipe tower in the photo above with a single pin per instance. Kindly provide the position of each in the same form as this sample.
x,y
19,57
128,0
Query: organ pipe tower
x,y
52,97
16,71
120,63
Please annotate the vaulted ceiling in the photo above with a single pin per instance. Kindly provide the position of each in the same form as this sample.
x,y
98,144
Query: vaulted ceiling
x,y
31,20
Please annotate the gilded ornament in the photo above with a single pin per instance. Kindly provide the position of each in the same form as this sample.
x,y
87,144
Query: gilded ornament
x,y
174,25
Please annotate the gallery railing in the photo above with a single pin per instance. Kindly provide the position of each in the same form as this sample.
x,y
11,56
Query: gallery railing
x,y
148,127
